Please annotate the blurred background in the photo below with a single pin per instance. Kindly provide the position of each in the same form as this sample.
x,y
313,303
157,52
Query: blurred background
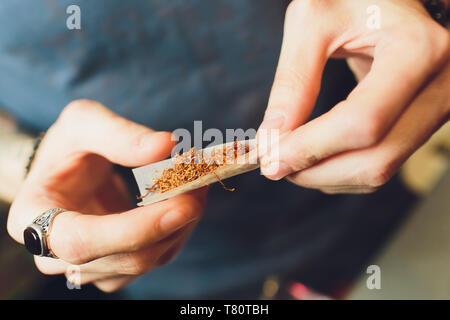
x,y
415,262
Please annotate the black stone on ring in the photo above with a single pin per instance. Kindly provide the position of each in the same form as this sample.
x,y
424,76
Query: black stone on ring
x,y
36,234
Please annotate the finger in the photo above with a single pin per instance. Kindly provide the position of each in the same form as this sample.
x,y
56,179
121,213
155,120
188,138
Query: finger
x,y
88,126
109,284
78,238
366,115
141,261
127,263
86,278
374,166
74,274
51,266
299,72
348,190
114,284
333,189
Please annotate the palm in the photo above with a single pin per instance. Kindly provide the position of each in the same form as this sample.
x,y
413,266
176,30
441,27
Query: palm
x,y
89,184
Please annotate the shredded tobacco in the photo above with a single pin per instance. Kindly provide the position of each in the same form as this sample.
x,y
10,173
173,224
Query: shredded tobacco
x,y
192,165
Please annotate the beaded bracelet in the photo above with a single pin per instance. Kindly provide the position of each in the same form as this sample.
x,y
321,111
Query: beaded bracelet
x,y
36,144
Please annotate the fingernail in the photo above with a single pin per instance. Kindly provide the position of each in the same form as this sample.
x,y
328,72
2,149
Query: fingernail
x,y
172,221
275,170
272,120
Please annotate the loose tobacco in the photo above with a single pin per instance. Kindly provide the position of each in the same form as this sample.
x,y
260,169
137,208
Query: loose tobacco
x,y
193,164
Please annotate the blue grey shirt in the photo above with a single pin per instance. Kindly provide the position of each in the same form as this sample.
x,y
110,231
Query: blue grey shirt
x,y
166,63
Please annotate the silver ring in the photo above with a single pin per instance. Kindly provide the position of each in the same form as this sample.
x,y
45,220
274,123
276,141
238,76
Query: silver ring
x,y
36,234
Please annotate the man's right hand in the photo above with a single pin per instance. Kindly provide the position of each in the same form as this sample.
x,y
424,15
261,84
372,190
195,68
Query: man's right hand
x,y
109,242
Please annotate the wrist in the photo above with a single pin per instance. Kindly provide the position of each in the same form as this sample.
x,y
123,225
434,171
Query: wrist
x,y
15,149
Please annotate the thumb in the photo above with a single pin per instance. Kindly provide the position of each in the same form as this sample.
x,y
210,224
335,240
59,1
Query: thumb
x,y
88,126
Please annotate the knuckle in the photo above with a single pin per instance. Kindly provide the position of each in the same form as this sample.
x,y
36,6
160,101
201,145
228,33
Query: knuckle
x,y
377,177
435,48
69,245
417,34
298,156
369,134
431,42
303,157
299,179
79,110
71,252
134,238
365,132
75,108
414,38
442,45
133,264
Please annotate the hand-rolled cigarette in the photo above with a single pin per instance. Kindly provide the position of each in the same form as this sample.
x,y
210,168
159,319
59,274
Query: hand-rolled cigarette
x,y
168,182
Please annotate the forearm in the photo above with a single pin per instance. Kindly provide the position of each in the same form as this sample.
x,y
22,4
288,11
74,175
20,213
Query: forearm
x,y
15,149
